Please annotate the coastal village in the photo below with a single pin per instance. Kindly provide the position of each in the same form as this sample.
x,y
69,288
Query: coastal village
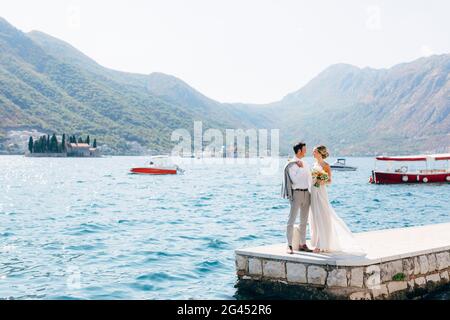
x,y
49,146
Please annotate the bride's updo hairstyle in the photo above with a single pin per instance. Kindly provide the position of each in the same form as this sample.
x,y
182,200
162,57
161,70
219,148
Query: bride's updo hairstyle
x,y
322,151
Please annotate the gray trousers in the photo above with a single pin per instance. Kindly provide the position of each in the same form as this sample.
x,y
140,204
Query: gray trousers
x,y
300,203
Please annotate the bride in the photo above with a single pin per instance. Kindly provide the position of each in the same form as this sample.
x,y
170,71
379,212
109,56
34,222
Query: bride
x,y
329,233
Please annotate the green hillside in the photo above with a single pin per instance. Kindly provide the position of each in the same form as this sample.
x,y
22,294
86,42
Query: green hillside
x,y
49,86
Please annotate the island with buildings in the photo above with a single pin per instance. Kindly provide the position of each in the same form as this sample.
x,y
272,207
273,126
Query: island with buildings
x,y
49,146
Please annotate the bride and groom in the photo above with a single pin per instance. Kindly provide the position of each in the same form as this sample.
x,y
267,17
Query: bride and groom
x,y
308,197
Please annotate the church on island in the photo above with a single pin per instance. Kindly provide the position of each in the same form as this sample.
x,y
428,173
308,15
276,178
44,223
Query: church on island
x,y
49,146
81,150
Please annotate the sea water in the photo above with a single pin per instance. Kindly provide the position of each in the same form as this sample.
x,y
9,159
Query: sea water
x,y
73,228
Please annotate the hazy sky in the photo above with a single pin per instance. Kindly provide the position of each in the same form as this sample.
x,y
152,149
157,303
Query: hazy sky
x,y
240,50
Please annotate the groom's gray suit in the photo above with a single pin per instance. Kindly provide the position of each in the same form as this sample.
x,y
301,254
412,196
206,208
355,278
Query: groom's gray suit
x,y
297,188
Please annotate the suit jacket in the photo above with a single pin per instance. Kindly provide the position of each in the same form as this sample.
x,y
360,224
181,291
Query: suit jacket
x,y
286,185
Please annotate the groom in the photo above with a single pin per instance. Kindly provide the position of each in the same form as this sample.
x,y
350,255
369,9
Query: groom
x,y
296,187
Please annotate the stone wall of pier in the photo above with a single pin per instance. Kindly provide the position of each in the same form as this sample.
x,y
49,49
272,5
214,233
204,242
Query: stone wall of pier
x,y
396,279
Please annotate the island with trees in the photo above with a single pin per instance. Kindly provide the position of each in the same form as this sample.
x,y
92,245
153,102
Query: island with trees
x,y
70,146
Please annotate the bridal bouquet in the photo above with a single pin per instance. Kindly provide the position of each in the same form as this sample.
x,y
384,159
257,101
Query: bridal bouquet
x,y
319,175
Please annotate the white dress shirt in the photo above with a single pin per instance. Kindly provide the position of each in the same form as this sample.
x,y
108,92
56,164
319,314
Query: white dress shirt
x,y
299,176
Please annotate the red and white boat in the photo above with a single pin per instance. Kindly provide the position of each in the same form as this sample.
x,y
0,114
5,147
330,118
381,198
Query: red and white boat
x,y
158,165
412,169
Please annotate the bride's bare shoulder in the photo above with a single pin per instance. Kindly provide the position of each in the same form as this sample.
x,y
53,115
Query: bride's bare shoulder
x,y
326,167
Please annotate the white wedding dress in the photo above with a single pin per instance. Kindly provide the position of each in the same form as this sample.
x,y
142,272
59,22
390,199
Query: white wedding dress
x,y
328,231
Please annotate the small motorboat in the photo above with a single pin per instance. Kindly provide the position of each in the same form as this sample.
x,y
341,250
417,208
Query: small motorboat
x,y
340,165
158,165
412,169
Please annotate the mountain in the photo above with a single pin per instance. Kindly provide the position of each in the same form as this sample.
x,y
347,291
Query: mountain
x,y
166,87
49,86
403,109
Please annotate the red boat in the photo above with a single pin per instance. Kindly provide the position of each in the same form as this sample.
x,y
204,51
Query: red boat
x,y
158,165
144,170
412,169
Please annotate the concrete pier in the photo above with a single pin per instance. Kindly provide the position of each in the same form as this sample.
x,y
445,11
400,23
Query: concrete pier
x,y
398,263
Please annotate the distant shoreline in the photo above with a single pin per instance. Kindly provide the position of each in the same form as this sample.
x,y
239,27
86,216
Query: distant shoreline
x,y
168,153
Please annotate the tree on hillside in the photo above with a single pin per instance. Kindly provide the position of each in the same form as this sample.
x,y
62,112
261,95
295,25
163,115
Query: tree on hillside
x,y
40,145
95,143
30,145
36,146
63,142
80,140
47,145
88,140
54,143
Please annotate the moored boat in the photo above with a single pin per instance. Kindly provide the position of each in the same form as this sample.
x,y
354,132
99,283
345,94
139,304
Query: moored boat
x,y
158,165
412,169
340,165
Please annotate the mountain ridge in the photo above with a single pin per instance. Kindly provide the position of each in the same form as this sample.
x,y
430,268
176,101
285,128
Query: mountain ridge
x,y
42,86
381,106
47,84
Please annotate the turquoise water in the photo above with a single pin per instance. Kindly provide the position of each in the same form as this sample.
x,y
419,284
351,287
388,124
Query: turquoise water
x,y
86,229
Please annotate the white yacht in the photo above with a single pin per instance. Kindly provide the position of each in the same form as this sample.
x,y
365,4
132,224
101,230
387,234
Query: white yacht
x,y
340,165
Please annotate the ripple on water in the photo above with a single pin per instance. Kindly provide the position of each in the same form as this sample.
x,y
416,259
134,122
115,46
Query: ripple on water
x,y
97,205
143,287
200,204
217,244
158,277
190,237
246,238
52,246
279,207
208,266
83,247
164,254
127,222
87,228
117,295
65,297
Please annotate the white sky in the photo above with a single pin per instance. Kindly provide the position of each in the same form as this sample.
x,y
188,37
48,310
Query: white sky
x,y
240,50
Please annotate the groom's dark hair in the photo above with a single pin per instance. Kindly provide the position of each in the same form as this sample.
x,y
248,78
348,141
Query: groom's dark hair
x,y
298,146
